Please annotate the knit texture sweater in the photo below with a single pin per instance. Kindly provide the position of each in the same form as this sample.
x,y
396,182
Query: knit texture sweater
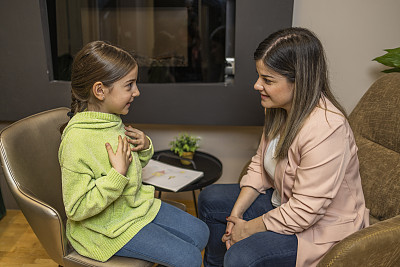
x,y
104,208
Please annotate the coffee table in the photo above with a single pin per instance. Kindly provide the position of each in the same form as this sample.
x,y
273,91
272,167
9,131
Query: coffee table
x,y
202,161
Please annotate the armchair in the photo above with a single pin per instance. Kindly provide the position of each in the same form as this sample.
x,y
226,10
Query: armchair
x,y
29,150
376,125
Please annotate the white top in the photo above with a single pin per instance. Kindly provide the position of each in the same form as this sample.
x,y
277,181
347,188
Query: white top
x,y
269,165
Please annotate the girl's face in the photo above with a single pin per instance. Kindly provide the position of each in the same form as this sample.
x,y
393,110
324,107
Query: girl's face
x,y
276,91
118,97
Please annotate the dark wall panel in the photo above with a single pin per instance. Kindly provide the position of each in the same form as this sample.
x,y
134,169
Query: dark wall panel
x,y
25,87
24,84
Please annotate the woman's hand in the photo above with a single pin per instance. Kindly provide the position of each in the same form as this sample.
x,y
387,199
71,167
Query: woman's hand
x,y
226,238
137,138
238,231
245,199
242,229
122,158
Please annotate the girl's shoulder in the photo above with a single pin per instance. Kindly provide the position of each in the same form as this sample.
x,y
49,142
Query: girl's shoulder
x,y
72,141
74,135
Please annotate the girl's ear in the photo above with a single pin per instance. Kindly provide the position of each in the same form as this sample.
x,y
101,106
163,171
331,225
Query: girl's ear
x,y
98,90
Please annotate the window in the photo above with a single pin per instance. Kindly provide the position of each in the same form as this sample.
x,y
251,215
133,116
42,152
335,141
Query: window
x,y
207,79
175,41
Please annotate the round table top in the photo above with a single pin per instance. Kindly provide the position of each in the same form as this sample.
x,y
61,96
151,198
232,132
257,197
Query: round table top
x,y
207,163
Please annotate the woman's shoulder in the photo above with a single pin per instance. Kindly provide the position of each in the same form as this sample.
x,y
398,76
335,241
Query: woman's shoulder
x,y
325,114
324,121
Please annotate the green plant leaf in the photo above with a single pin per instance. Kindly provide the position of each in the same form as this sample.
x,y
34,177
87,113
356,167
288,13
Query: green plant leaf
x,y
391,58
394,50
391,70
184,142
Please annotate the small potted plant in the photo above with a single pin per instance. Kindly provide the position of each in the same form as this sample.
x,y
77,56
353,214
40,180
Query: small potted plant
x,y
185,145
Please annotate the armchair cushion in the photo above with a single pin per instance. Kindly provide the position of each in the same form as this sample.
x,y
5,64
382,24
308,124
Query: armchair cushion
x,y
376,125
376,245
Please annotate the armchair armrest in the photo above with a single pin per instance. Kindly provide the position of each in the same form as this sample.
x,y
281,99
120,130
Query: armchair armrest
x,y
376,245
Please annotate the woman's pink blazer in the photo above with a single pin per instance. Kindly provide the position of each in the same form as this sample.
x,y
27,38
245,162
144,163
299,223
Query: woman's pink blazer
x,y
319,183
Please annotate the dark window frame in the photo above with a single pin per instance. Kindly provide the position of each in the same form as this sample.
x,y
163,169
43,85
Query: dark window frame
x,y
211,103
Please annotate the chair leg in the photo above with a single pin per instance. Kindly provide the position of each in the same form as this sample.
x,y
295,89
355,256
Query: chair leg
x,y
195,203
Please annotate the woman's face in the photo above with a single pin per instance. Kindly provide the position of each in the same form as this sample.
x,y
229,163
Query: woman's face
x,y
276,91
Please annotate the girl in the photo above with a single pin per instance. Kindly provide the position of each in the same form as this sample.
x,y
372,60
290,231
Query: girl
x,y
302,192
110,212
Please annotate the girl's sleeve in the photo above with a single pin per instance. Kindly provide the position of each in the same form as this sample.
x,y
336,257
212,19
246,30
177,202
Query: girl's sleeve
x,y
255,176
325,154
145,155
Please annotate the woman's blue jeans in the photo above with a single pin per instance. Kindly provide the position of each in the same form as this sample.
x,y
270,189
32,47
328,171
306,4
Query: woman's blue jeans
x,y
173,238
261,249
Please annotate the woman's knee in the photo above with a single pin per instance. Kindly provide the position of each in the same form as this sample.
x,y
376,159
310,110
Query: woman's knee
x,y
218,196
210,193
206,198
263,249
234,258
216,202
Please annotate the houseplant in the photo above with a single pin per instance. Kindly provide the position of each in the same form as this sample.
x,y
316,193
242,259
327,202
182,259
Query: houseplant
x,y
185,145
390,59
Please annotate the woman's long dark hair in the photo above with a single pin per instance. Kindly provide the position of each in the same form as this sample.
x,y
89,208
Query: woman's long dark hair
x,y
298,55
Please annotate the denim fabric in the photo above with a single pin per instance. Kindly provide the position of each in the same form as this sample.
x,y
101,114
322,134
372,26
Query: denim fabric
x,y
173,238
261,249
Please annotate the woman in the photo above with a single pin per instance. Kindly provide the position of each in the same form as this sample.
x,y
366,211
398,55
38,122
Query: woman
x,y
302,192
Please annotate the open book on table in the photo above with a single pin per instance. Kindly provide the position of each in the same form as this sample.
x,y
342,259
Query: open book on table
x,y
166,176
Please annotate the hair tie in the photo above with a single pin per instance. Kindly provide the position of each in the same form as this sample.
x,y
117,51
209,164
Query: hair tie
x,y
70,114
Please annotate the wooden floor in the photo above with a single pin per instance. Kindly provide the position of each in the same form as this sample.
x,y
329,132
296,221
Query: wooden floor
x,y
19,246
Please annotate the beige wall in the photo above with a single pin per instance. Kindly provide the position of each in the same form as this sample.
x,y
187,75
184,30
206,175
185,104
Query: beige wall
x,y
233,145
353,32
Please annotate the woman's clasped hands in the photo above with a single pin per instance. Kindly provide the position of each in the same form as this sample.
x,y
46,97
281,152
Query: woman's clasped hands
x,y
235,231
238,229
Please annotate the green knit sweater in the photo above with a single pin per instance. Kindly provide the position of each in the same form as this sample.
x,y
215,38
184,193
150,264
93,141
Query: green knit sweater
x,y
104,208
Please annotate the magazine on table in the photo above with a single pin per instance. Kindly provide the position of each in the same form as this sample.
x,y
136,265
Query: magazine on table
x,y
170,177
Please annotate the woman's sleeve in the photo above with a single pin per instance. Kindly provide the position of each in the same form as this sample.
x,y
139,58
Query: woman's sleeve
x,y
325,154
256,176
145,155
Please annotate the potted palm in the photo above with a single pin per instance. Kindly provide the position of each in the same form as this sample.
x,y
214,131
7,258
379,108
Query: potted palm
x,y
185,145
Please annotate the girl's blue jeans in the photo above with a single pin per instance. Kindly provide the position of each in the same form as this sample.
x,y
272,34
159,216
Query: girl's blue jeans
x,y
173,238
261,249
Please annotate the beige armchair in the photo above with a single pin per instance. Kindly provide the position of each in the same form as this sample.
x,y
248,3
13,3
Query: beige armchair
x,y
376,125
29,150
